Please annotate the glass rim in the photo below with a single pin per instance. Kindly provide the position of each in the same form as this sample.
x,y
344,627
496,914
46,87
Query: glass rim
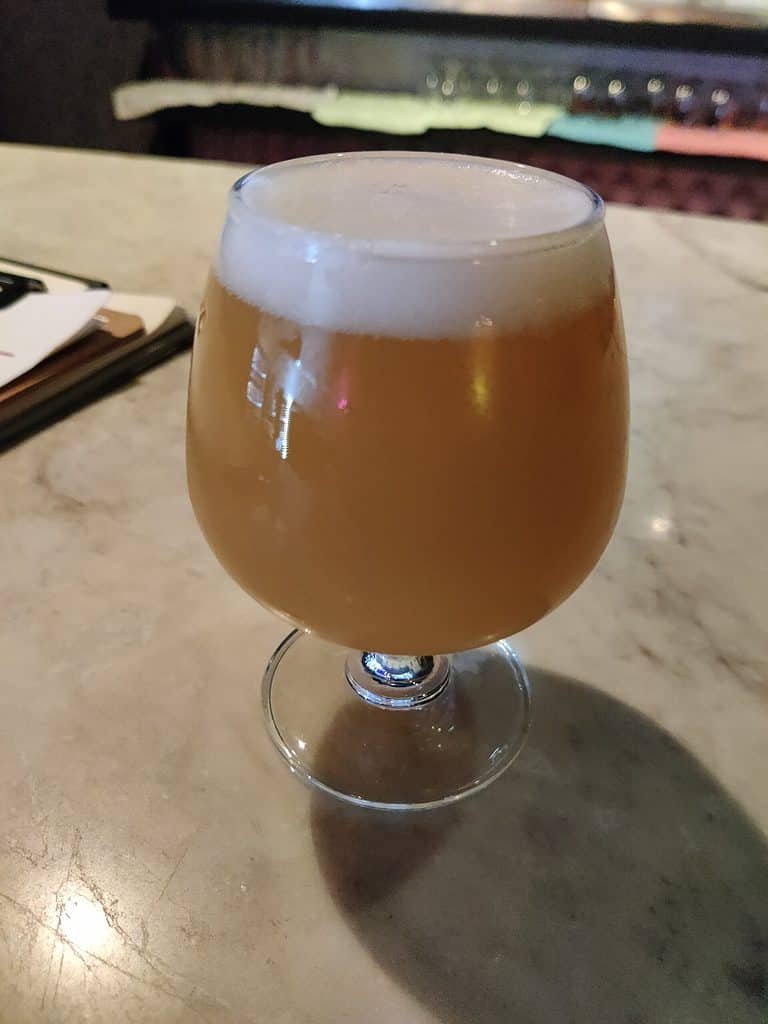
x,y
431,250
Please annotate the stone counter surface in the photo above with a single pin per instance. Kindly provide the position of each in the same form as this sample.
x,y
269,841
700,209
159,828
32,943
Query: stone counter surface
x,y
159,864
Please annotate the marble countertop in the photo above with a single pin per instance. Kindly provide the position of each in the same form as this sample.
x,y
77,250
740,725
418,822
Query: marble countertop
x,y
157,861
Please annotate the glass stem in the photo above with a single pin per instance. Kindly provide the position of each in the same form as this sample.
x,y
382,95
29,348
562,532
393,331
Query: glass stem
x,y
397,681
397,669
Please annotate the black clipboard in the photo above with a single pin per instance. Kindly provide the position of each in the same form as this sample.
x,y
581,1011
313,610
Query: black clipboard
x,y
83,371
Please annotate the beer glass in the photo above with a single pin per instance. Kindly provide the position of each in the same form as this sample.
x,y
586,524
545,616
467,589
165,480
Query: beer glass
x,y
407,433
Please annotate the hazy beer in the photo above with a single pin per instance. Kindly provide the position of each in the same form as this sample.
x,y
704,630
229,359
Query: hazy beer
x,y
408,406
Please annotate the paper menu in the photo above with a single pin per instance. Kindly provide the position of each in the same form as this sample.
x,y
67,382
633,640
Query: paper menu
x,y
38,324
74,344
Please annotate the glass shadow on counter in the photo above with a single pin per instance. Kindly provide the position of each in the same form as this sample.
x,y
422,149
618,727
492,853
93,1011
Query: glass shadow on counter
x,y
606,877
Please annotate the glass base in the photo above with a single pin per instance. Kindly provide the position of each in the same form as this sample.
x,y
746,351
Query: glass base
x,y
467,723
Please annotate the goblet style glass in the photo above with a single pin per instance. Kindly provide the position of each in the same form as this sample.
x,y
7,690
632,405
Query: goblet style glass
x,y
407,434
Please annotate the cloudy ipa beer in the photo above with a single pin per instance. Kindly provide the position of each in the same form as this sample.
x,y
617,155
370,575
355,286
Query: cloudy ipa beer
x,y
408,405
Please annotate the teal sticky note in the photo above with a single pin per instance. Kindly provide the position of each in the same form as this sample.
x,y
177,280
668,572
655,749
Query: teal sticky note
x,y
630,132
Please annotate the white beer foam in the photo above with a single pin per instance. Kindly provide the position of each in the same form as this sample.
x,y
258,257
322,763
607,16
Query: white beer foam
x,y
413,244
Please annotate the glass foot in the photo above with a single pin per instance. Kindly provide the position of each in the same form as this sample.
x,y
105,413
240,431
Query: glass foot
x,y
467,723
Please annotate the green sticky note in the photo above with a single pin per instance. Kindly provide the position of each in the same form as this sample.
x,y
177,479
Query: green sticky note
x,y
630,132
510,118
405,114
394,113
531,119
464,114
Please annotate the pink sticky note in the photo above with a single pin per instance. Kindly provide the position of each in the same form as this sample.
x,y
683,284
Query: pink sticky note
x,y
738,142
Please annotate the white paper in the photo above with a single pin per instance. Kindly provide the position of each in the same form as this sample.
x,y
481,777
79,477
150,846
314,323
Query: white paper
x,y
139,99
37,325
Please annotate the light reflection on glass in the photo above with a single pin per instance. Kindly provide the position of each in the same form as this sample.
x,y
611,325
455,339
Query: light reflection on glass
x,y
480,391
283,437
290,378
257,380
481,367
342,403
275,390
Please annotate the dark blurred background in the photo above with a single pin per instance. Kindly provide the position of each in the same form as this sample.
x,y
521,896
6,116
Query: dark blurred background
x,y
60,61
662,104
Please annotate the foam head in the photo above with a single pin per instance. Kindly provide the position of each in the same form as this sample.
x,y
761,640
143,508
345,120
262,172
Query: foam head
x,y
412,244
